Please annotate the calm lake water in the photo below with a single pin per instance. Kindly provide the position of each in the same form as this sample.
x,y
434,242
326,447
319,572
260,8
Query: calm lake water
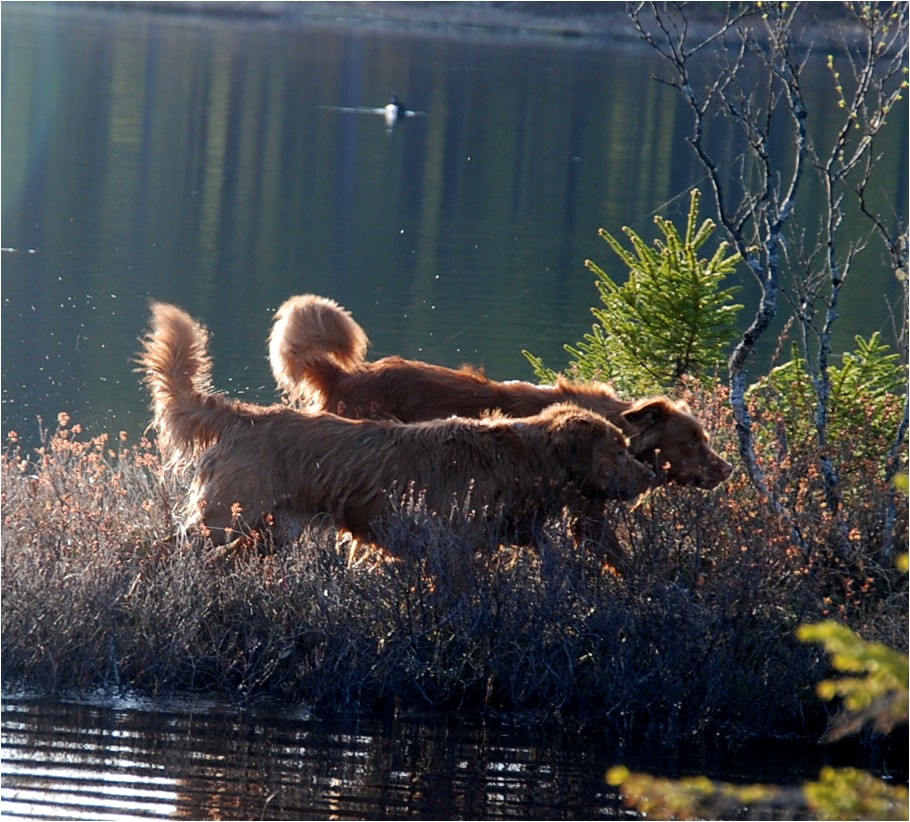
x,y
203,161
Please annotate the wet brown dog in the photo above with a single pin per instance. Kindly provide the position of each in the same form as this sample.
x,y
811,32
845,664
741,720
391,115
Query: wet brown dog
x,y
278,461
317,352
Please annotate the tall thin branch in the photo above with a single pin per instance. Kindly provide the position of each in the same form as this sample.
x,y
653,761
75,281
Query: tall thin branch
x,y
758,214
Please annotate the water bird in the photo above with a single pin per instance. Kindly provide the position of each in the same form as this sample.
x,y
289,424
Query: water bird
x,y
391,112
395,109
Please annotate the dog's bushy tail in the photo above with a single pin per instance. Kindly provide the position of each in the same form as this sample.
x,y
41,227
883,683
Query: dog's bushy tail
x,y
187,415
309,333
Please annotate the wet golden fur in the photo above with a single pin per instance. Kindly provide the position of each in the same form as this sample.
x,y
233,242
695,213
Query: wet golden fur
x,y
279,461
317,353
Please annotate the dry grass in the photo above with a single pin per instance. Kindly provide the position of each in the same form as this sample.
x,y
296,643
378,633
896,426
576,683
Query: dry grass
x,y
695,638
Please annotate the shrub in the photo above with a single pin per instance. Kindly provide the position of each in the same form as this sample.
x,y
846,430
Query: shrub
x,y
866,391
866,410
697,637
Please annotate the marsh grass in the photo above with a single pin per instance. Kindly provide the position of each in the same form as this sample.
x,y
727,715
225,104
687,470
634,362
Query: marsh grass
x,y
697,637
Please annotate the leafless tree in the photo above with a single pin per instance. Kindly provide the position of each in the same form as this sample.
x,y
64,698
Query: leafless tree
x,y
745,70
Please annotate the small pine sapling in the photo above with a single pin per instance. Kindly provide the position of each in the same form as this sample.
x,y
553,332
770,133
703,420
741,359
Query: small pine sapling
x,y
672,317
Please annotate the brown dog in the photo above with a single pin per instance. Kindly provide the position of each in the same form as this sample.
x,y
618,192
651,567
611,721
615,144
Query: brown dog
x,y
317,351
275,460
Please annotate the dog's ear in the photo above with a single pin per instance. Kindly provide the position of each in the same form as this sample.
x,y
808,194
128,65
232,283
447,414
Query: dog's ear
x,y
645,422
646,414
646,419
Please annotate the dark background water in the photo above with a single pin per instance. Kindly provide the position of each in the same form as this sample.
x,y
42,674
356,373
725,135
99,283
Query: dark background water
x,y
199,160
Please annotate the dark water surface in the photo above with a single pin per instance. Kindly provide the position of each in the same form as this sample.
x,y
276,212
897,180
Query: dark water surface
x,y
197,761
203,161
116,758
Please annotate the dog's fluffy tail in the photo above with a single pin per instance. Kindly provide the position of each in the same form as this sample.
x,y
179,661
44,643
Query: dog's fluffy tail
x,y
310,333
187,415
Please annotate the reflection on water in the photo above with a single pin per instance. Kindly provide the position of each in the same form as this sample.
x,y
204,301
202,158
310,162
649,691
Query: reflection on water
x,y
131,758
198,761
202,161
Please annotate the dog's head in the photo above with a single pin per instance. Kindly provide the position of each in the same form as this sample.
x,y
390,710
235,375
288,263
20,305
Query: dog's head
x,y
665,435
595,455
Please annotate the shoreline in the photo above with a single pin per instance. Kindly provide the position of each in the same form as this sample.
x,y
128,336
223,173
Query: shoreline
x,y
583,23
569,21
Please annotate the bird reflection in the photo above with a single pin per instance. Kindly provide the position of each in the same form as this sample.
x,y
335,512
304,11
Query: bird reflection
x,y
391,112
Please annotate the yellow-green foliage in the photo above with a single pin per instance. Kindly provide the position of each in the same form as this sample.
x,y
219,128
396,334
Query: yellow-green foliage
x,y
849,793
839,793
878,696
692,798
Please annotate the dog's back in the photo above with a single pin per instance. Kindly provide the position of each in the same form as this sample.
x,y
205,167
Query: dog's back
x,y
413,391
317,350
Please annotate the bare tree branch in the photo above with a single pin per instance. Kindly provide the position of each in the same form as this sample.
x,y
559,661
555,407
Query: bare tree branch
x,y
715,73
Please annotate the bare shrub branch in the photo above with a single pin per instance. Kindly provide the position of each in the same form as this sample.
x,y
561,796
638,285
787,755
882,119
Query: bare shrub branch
x,y
760,205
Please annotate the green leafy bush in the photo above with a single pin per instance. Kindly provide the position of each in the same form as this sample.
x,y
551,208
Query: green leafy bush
x,y
877,695
866,391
